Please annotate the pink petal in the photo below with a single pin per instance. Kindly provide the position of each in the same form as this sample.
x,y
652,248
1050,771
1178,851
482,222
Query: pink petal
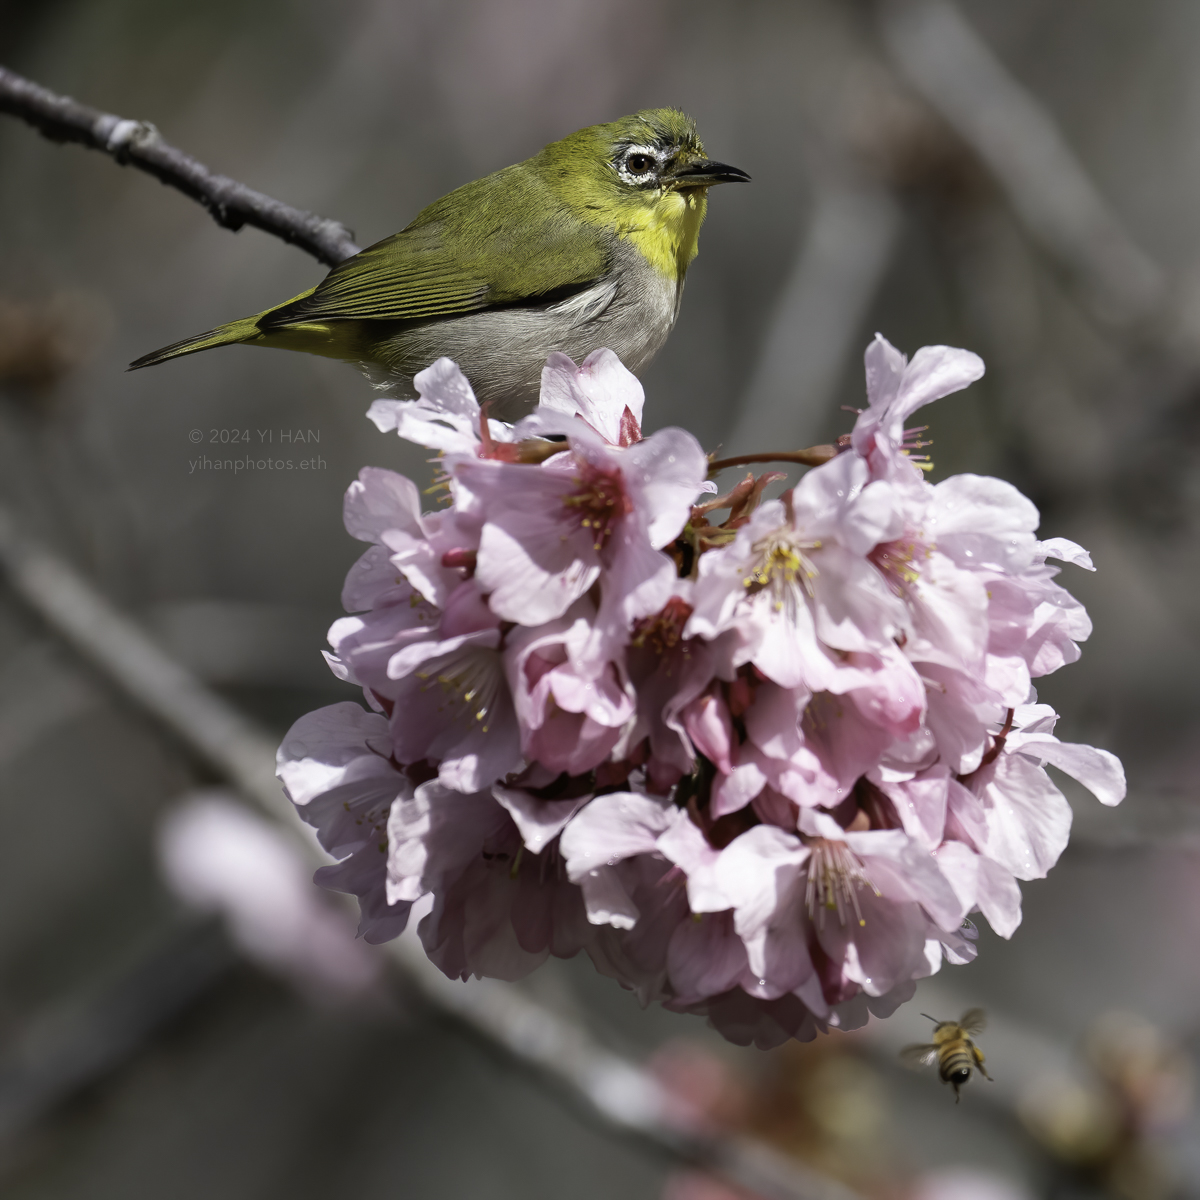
x,y
612,827
705,957
710,728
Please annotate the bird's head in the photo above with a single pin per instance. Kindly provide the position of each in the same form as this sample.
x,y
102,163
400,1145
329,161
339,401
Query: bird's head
x,y
645,177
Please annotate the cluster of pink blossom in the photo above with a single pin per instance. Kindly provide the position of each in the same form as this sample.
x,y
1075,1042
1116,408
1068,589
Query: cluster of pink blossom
x,y
759,769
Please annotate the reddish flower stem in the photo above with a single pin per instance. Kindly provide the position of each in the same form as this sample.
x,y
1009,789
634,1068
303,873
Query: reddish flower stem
x,y
814,456
997,742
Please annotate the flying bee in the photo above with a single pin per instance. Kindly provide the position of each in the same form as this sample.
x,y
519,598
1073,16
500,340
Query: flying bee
x,y
952,1048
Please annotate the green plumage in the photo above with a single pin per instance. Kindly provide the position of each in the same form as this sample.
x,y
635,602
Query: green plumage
x,y
461,254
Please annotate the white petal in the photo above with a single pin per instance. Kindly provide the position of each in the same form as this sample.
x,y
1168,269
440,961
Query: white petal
x,y
331,746
444,386
528,590
998,897
1028,819
607,901
1098,770
688,848
885,369
756,871
935,371
380,500
980,504
1066,551
539,821
610,828
872,518
664,474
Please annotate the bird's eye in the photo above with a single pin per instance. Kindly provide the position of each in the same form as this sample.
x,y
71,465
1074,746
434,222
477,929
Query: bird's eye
x,y
639,164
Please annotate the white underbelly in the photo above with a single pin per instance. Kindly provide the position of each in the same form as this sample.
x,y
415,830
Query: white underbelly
x,y
502,351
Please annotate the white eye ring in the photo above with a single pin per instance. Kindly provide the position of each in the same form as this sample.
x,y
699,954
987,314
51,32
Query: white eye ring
x,y
628,174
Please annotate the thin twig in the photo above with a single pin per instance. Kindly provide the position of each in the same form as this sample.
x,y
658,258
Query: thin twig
x,y
139,144
814,456
616,1092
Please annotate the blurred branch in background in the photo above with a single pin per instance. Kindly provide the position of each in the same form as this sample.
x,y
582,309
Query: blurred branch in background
x,y
1104,1116
1111,449
622,1096
893,145
960,76
139,144
844,254
224,740
1105,1113
72,1045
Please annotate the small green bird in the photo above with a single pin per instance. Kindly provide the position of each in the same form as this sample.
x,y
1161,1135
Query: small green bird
x,y
584,245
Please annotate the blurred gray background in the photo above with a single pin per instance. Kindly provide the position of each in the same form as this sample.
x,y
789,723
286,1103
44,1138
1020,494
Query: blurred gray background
x,y
1022,179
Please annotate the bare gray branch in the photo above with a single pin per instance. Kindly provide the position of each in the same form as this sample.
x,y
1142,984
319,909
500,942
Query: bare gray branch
x,y
139,144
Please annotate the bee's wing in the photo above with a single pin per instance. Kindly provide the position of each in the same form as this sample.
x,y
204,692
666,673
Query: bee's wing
x,y
919,1054
973,1021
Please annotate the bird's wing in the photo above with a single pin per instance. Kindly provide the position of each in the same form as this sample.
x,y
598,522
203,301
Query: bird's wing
x,y
974,1020
918,1054
503,240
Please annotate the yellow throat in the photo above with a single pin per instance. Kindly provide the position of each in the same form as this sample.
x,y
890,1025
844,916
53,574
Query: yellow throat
x,y
666,229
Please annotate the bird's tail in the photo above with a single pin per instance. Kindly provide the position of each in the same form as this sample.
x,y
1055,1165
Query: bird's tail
x,y
245,330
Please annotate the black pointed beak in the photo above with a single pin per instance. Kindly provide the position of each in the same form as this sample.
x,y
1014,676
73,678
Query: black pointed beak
x,y
703,173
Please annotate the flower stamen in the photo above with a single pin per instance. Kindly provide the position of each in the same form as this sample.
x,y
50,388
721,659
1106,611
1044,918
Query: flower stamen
x,y
474,680
600,501
911,442
664,630
781,566
835,877
897,560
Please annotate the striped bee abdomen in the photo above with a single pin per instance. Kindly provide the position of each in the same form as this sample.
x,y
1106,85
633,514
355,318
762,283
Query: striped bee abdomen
x,y
955,1064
